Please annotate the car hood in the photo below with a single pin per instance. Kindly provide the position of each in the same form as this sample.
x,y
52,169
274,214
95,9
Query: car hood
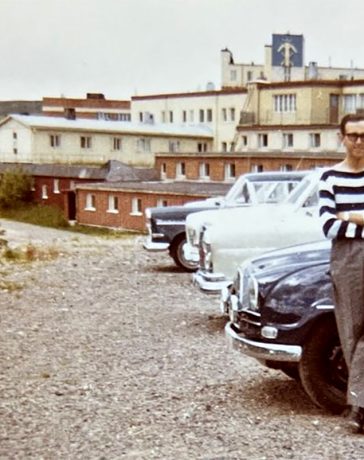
x,y
290,258
227,213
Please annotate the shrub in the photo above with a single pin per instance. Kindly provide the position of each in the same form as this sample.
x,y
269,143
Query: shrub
x,y
15,188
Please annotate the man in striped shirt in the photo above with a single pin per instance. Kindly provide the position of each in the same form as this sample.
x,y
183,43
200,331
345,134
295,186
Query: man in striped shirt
x,y
342,214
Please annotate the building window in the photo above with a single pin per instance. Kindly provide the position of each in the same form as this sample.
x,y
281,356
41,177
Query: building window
x,y
184,116
202,115
287,140
163,170
204,171
56,186
244,141
191,116
173,146
181,170
170,116
232,114
136,207
116,143
262,140
315,140
144,145
349,103
141,117
224,146
361,102
286,167
44,192
229,171
233,75
161,203
249,75
54,140
202,147
113,204
15,150
90,202
15,135
209,115
85,142
256,168
285,103
163,116
224,114
232,146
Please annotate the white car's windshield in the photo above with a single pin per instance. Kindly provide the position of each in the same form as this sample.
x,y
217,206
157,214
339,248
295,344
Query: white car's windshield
x,y
306,193
259,192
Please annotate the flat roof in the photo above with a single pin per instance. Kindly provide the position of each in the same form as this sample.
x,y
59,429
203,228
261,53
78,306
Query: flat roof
x,y
119,127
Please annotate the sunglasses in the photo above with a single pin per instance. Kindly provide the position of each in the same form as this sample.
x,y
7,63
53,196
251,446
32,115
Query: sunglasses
x,y
353,137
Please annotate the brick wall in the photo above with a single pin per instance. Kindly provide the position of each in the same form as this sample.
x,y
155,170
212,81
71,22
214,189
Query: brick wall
x,y
243,165
124,218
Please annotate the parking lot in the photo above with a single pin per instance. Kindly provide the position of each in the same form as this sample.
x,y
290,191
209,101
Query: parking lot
x,y
109,352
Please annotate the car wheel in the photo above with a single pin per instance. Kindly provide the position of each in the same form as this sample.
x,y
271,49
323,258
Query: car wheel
x,y
322,368
176,252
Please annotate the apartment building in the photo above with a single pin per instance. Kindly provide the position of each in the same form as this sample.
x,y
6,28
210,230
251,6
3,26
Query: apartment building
x,y
217,110
283,61
44,139
297,116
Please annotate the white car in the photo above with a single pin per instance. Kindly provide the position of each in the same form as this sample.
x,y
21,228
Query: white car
x,y
237,234
268,188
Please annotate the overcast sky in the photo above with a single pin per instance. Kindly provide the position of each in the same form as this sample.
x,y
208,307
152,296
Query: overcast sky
x,y
127,47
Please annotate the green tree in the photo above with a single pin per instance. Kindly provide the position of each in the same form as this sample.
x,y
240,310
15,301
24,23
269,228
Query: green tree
x,y
15,188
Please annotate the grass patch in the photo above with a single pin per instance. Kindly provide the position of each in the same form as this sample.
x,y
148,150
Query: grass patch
x,y
45,216
48,216
10,286
30,253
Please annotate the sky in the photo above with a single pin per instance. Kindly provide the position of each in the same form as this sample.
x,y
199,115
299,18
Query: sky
x,y
122,48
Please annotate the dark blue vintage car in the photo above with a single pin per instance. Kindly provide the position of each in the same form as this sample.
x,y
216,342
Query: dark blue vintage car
x,y
281,313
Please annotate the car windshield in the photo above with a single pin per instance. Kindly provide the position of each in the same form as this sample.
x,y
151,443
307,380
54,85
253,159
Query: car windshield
x,y
306,193
259,192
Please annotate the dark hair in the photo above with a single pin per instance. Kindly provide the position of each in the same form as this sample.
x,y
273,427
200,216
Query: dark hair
x,y
350,118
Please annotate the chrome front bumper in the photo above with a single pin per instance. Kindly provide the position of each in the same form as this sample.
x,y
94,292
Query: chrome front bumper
x,y
261,350
150,245
210,282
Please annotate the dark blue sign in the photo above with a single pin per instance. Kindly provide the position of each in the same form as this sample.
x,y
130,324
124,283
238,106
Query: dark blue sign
x,y
287,50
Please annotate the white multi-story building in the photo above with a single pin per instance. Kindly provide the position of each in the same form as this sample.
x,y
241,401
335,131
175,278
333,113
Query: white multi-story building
x,y
216,110
40,139
283,61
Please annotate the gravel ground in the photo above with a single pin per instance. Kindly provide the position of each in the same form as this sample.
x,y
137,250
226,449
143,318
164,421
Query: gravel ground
x,y
109,352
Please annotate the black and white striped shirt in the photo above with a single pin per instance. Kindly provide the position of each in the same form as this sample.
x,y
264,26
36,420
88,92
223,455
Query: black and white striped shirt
x,y
341,191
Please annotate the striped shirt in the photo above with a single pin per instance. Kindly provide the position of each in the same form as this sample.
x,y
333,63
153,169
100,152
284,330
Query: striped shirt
x,y
341,191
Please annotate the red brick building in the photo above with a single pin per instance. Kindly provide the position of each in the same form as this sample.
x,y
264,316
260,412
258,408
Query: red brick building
x,y
122,205
95,106
228,166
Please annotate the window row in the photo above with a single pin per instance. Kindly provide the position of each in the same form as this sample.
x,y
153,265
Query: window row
x,y
284,103
203,171
142,144
314,140
190,116
114,204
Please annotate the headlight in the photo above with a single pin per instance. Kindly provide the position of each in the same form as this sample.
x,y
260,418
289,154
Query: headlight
x,y
205,253
252,292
